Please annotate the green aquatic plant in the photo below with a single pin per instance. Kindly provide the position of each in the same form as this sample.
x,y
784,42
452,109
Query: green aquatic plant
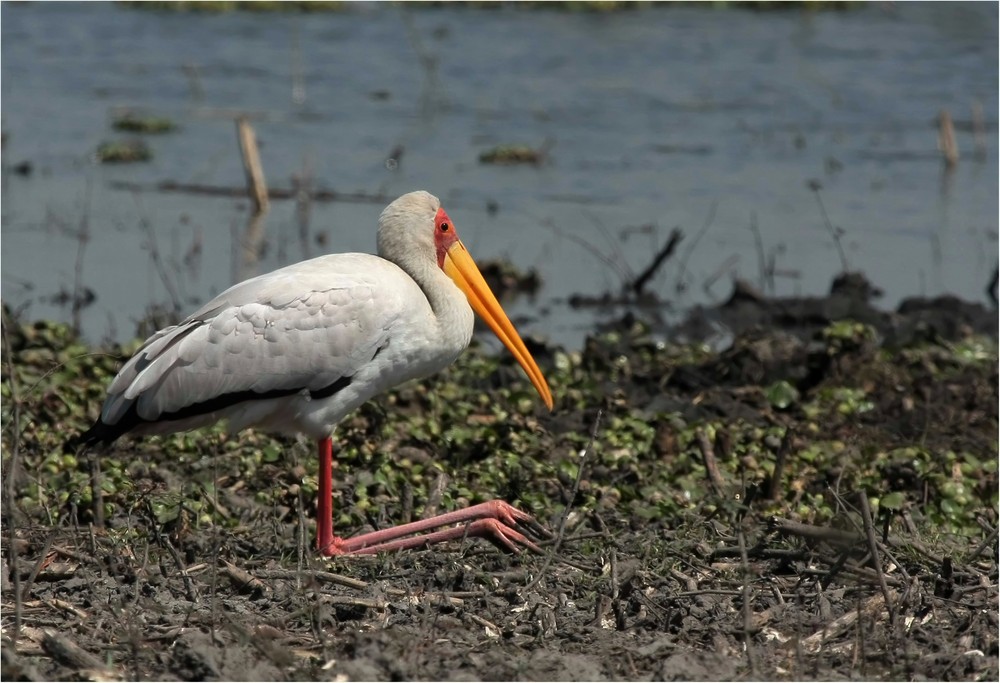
x,y
475,431
123,152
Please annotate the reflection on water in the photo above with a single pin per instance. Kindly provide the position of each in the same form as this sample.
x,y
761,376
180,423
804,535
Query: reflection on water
x,y
658,119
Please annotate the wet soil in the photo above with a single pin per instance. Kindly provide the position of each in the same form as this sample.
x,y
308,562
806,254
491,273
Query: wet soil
x,y
816,501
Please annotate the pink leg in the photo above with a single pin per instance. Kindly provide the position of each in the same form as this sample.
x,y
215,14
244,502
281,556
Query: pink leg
x,y
324,496
493,520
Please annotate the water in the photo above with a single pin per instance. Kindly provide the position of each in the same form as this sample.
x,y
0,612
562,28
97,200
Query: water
x,y
662,117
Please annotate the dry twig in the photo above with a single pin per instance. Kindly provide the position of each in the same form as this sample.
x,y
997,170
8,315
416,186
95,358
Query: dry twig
x,y
711,466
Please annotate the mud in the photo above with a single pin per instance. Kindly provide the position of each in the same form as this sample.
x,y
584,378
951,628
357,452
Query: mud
x,y
814,537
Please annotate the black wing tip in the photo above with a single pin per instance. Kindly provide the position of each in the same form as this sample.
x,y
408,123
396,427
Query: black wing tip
x,y
99,434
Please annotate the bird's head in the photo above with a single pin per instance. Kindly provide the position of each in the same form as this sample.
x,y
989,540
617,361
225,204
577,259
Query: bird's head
x,y
415,226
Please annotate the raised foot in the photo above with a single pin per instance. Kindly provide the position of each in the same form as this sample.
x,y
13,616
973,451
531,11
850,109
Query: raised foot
x,y
497,521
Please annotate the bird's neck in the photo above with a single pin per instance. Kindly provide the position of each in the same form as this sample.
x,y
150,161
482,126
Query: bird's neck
x,y
451,309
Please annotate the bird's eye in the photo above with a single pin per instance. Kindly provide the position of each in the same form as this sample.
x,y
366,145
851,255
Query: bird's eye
x,y
444,227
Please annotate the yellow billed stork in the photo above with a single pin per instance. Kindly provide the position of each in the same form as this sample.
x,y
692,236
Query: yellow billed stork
x,y
297,349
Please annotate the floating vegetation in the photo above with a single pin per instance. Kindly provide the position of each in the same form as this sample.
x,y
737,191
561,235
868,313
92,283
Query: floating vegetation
x,y
508,155
123,152
132,122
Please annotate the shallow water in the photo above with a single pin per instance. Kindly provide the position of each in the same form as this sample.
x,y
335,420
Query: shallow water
x,y
663,117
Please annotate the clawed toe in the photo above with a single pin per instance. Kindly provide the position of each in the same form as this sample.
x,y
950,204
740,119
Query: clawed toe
x,y
496,521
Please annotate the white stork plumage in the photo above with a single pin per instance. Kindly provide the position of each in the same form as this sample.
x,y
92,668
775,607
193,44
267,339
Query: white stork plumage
x,y
297,349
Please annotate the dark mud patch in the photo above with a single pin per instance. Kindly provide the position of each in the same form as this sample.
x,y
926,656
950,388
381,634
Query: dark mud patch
x,y
852,297
814,502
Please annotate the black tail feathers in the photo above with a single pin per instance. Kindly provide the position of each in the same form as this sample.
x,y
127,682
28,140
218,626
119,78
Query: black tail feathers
x,y
99,433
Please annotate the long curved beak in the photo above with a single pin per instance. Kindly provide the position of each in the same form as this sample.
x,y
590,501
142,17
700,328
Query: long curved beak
x,y
460,267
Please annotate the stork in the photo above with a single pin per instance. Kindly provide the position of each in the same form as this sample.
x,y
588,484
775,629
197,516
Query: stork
x,y
298,349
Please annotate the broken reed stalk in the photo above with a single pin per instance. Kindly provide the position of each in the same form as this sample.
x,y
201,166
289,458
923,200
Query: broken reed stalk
x,y
256,184
257,189
682,270
765,275
835,234
774,484
435,495
748,627
711,466
990,539
869,528
946,139
189,589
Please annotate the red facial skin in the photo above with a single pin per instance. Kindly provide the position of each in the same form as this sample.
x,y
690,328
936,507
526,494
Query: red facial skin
x,y
444,235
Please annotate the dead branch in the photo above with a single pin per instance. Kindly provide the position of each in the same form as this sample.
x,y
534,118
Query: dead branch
x,y
321,576
243,581
658,260
66,652
811,532
870,607
237,192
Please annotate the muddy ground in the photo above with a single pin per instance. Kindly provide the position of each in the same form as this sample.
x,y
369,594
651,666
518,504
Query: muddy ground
x,y
817,501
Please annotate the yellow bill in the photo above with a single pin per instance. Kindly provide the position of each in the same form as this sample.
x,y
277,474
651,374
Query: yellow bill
x,y
460,267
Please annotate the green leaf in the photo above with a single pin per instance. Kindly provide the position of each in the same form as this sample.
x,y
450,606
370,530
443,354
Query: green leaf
x,y
892,501
781,395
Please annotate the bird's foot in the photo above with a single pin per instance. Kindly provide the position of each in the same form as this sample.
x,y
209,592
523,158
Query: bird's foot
x,y
494,521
